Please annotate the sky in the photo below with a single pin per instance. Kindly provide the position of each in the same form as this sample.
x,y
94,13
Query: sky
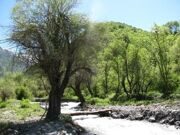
x,y
139,13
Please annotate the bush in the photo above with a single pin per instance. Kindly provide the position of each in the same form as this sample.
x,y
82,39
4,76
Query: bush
x,y
23,93
3,104
167,88
25,103
99,101
154,94
65,118
6,93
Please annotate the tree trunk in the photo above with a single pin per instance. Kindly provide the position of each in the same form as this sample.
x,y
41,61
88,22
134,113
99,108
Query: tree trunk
x,y
90,90
101,113
54,108
124,87
79,94
106,75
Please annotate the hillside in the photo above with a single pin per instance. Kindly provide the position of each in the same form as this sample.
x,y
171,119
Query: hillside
x,y
9,62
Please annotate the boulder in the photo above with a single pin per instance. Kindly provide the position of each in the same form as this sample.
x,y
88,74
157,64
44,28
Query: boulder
x,y
177,116
152,119
160,115
119,114
171,122
139,116
136,116
147,114
177,123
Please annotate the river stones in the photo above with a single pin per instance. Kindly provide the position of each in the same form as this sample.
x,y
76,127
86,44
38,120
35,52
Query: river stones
x,y
163,114
119,114
152,119
159,115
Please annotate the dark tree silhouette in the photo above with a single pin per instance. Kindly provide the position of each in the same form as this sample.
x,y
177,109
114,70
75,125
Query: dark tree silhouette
x,y
51,36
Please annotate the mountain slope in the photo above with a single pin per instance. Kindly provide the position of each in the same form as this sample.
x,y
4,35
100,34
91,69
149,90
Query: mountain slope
x,y
9,62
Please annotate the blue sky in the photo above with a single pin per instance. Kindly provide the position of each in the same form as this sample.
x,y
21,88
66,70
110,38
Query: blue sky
x,y
139,13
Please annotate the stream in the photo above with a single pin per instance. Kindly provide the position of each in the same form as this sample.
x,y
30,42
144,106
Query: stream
x,y
96,125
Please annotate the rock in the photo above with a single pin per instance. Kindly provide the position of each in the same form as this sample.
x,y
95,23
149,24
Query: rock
x,y
160,115
171,122
114,115
123,114
15,132
146,114
38,133
63,132
177,116
152,119
120,114
136,116
163,121
177,123
174,114
139,116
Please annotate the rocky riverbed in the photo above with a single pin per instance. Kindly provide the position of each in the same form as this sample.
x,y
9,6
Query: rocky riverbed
x,y
160,113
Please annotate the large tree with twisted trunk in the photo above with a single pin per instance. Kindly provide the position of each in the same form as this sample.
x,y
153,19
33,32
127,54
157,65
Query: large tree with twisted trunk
x,y
50,35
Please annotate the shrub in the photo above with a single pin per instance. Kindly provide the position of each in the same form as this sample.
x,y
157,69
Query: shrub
x,y
65,118
22,93
25,103
99,101
3,104
154,94
6,93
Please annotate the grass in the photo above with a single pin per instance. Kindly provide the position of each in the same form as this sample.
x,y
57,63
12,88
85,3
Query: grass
x,y
15,110
3,104
98,101
154,98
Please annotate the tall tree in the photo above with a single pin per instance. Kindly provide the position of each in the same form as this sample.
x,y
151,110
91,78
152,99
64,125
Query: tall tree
x,y
51,36
161,42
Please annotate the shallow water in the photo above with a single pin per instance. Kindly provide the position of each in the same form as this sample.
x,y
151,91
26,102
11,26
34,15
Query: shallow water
x,y
108,126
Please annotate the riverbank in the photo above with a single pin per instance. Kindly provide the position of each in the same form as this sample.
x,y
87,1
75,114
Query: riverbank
x,y
159,113
39,127
24,118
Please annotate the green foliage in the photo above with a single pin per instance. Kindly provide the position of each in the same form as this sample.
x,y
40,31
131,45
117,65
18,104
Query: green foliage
x,y
6,93
6,88
25,103
21,86
3,104
65,118
133,65
19,110
69,94
22,93
98,101
154,95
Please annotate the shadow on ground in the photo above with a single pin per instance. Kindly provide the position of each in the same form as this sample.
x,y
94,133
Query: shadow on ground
x,y
40,127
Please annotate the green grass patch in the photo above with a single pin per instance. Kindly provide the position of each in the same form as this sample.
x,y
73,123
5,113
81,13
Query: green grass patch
x,y
19,110
25,103
98,101
3,104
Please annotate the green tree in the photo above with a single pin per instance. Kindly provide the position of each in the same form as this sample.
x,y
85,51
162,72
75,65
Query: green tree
x,y
161,43
173,26
54,38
